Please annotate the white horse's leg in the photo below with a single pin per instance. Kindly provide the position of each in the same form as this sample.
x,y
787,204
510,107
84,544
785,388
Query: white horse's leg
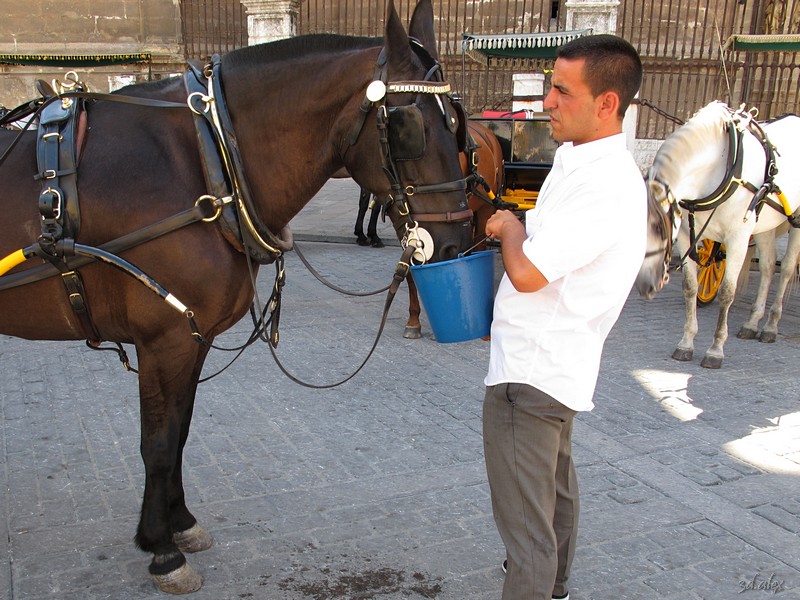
x,y
765,242
685,349
734,257
788,272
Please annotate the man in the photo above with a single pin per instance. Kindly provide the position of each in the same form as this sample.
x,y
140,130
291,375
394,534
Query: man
x,y
569,270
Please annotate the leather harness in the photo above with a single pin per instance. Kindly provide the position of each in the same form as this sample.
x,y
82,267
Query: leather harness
x,y
61,119
767,193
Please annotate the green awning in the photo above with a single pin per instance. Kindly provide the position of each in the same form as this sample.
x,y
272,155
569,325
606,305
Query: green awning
x,y
763,43
518,46
75,60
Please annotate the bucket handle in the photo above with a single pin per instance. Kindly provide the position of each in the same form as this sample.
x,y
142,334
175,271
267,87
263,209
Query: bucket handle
x,y
470,249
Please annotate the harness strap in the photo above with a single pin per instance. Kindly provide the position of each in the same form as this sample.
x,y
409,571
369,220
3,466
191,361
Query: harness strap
x,y
77,299
762,195
57,142
732,178
205,209
254,230
449,217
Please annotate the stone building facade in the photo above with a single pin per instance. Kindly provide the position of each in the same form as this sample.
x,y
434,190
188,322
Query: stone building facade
x,y
114,42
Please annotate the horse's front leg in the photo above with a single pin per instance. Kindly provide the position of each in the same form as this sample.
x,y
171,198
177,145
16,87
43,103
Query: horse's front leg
x,y
788,272
168,372
413,329
734,259
765,242
685,349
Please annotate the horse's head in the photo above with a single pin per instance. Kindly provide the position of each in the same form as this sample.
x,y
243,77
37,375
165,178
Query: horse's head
x,y
663,222
693,166
406,138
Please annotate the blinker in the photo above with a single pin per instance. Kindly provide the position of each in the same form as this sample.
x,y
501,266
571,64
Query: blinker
x,y
406,132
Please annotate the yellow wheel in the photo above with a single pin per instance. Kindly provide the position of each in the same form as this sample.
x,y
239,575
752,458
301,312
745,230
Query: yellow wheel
x,y
711,268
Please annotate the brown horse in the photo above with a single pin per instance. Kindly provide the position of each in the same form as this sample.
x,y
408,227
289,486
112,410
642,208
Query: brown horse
x,y
139,164
487,159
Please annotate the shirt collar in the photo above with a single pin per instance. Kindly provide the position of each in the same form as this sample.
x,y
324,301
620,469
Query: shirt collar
x,y
572,156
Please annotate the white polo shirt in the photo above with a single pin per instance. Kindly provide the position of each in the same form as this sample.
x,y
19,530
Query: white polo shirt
x,y
587,236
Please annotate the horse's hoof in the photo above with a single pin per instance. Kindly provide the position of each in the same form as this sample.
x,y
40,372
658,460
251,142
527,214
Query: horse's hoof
x,y
362,241
711,362
745,333
194,539
377,243
412,333
183,580
767,337
683,355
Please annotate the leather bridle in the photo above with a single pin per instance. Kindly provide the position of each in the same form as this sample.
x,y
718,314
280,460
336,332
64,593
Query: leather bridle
x,y
668,212
402,193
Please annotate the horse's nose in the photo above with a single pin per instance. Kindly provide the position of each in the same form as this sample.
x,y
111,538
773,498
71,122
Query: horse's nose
x,y
447,252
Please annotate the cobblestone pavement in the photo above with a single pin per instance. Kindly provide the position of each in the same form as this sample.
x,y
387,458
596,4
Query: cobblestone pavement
x,y
690,477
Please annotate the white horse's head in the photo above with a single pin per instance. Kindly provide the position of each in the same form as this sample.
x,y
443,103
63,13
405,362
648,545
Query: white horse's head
x,y
689,164
663,222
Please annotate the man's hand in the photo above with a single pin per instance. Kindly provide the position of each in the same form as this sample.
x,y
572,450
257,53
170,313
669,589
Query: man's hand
x,y
501,223
506,227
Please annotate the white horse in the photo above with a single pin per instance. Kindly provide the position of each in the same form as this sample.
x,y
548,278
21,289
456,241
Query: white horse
x,y
726,177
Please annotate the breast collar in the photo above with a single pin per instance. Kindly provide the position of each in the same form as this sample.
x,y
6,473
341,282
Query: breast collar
x,y
224,169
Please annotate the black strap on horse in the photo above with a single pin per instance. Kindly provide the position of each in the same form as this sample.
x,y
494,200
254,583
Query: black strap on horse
x,y
57,157
207,101
267,316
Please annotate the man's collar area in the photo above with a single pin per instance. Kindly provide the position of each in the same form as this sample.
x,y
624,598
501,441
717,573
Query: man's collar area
x,y
573,157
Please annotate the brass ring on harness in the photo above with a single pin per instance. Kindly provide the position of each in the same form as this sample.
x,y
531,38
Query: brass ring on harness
x,y
203,98
215,203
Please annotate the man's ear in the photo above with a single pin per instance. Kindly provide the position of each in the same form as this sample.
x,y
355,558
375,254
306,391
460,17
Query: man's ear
x,y
608,105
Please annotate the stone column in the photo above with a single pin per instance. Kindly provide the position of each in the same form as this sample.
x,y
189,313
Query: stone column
x,y
270,20
598,15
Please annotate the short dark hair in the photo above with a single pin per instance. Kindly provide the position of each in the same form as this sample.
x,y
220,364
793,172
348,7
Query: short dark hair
x,y
612,64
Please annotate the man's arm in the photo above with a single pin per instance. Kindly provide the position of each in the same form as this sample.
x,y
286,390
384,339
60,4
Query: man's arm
x,y
506,227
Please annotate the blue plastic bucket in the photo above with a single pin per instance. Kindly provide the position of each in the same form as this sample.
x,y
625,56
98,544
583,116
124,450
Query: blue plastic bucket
x,y
458,296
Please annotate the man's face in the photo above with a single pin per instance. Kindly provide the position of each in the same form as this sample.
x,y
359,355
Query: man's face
x,y
573,115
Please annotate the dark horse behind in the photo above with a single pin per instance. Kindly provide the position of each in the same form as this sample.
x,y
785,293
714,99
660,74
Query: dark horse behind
x,y
141,164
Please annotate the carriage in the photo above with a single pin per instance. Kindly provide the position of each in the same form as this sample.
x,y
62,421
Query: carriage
x,y
528,152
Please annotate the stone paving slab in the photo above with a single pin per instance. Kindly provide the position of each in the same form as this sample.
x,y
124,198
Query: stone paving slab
x,y
690,478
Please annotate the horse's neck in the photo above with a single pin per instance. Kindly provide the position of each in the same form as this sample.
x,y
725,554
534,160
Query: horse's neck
x,y
292,123
692,160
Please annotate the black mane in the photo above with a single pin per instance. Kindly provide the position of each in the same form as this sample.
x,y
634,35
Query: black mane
x,y
305,44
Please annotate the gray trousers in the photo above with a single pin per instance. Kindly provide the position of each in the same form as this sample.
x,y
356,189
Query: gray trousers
x,y
527,438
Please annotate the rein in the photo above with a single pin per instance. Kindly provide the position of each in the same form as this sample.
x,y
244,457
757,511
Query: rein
x,y
400,274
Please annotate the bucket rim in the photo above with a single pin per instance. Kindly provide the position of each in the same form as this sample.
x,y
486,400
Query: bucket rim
x,y
471,256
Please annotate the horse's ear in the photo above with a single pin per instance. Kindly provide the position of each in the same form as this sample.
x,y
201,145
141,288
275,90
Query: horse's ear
x,y
421,27
395,39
